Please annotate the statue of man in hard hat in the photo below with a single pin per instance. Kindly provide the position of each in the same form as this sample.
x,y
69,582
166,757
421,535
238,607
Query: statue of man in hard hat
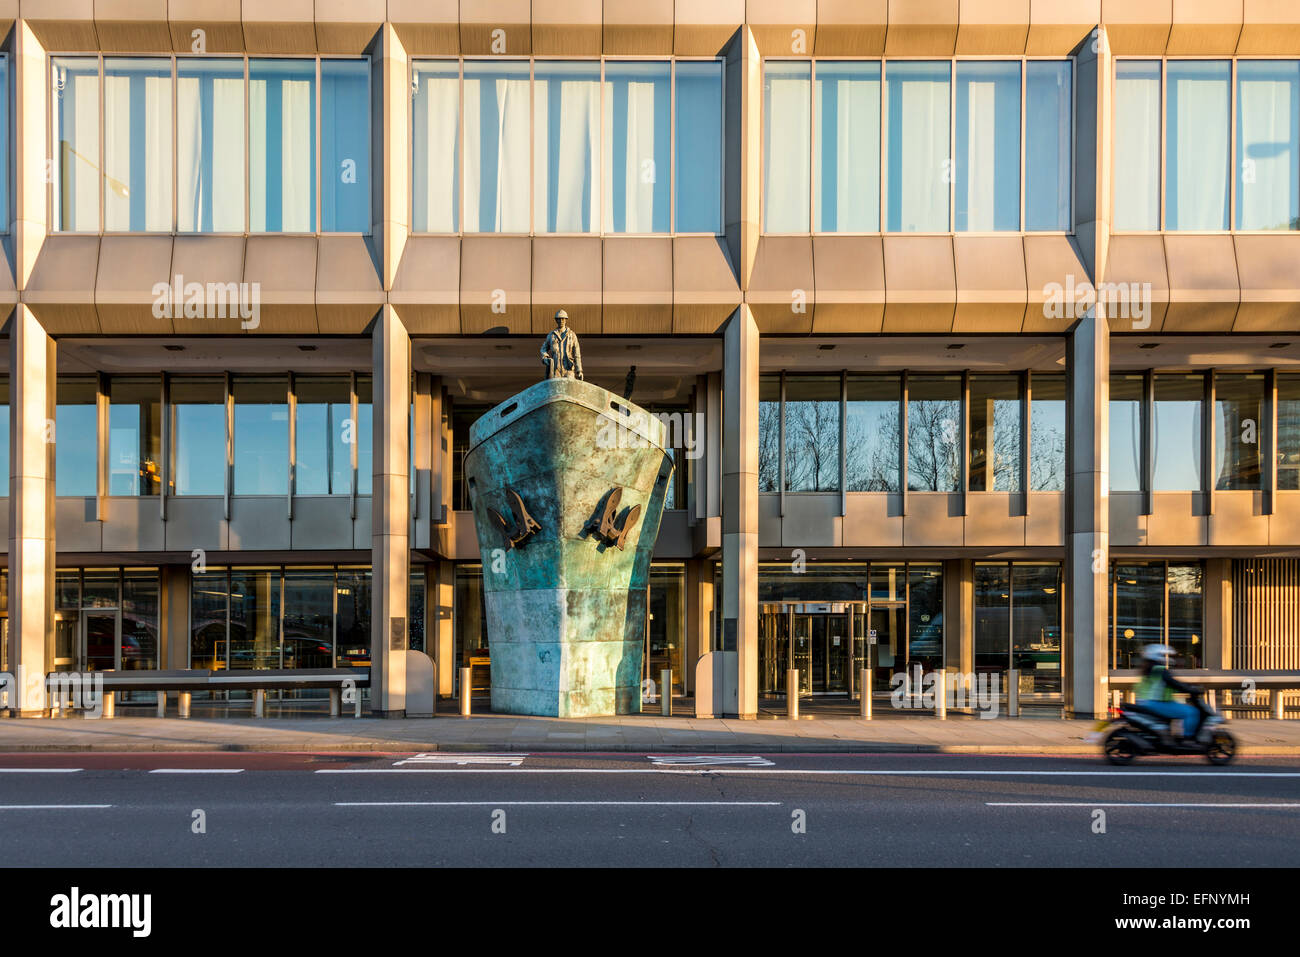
x,y
560,353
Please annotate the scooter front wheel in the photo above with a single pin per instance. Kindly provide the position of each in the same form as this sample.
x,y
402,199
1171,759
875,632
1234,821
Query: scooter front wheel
x,y
1222,748
1119,747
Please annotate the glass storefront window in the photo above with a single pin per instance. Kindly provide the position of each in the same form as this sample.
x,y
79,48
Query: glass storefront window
x,y
76,430
1176,432
871,445
925,615
471,627
352,622
1036,627
137,144
198,429
992,617
637,102
1288,432
995,439
308,618
322,429
665,625
282,145
416,602
4,437
1186,614
462,417
210,145
134,436
1238,412
1139,611
769,433
1126,433
1047,434
254,618
934,433
261,435
345,146
812,433
209,608
140,590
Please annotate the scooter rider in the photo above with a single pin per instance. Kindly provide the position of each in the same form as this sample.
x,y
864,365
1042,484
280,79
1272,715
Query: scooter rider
x,y
1155,691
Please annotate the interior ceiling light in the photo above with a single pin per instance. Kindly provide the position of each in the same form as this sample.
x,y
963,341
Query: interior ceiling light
x,y
1279,345
1149,345
174,348
307,348
956,345
826,346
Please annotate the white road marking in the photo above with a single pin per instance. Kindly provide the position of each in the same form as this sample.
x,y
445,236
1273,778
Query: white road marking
x,y
698,760
39,770
557,803
51,807
197,771
513,760
1123,804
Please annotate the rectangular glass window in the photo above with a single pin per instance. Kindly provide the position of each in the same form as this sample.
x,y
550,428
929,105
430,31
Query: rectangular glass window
x,y
282,145
925,614
5,149
416,609
1136,175
1125,433
198,430
261,435
308,640
916,146
871,446
812,433
322,435
1049,125
363,435
700,136
254,618
345,146
352,621
987,192
76,443
76,147
1036,625
497,146
1197,148
637,100
1268,144
139,618
566,146
1047,434
134,436
1288,432
995,434
1139,613
787,128
209,594
846,148
769,433
4,439
1238,412
1186,614
934,433
138,144
435,133
1176,432
992,617
210,145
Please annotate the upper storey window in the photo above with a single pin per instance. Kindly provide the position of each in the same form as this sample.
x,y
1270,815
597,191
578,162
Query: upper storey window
x,y
211,145
1185,167
566,146
923,146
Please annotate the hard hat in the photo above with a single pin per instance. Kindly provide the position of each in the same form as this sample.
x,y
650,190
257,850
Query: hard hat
x,y
561,314
1158,653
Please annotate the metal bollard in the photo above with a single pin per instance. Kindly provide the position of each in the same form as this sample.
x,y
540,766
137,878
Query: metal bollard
x,y
356,702
792,694
1013,693
1279,705
110,704
259,702
941,695
162,704
183,703
666,692
464,692
334,702
866,694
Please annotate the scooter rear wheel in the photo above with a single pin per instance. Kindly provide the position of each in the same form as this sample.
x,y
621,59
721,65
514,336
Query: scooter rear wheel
x,y
1119,748
1222,748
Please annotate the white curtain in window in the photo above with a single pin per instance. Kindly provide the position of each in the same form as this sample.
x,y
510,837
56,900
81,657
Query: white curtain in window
x,y
434,137
917,192
786,158
566,187
210,160
496,154
638,198
77,111
846,193
1196,146
137,175
981,155
1268,137
286,190
1136,179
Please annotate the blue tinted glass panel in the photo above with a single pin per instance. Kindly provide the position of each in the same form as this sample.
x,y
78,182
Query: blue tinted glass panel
x,y
210,146
261,436
497,146
76,143
846,152
987,195
282,146
435,133
1048,144
916,152
1137,144
787,128
345,146
699,147
1197,151
75,438
1268,144
137,144
637,144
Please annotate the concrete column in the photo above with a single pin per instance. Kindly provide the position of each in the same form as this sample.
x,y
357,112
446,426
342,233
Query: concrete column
x,y
31,508
1087,556
391,107
175,645
442,598
1217,652
699,614
390,516
740,504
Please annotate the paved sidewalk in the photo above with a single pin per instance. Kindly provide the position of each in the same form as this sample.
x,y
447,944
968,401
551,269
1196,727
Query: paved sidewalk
x,y
639,733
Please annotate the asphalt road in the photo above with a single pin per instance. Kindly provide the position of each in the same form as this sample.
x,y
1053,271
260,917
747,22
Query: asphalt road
x,y
643,811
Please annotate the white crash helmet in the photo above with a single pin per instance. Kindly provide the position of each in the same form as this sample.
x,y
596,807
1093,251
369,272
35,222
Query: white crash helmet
x,y
1158,653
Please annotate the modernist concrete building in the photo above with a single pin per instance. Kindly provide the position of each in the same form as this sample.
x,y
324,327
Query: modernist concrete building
x,y
265,263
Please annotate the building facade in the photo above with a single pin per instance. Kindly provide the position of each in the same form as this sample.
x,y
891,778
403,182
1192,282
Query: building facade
x,y
975,323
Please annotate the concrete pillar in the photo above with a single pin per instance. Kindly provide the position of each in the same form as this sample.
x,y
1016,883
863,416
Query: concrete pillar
x,y
1217,652
390,516
699,617
391,107
740,504
1087,556
31,508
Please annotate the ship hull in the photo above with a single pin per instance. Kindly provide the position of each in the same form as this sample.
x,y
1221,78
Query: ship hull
x,y
565,605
